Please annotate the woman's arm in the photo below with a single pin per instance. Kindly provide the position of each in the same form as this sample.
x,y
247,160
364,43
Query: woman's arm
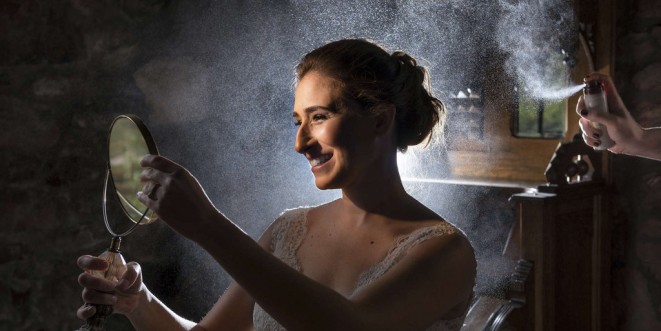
x,y
433,278
129,297
152,314
650,146
132,298
232,312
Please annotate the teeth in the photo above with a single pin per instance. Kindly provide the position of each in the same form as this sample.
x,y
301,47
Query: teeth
x,y
321,159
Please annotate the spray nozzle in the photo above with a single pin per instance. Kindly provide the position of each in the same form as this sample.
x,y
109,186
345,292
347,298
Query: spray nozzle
x,y
592,86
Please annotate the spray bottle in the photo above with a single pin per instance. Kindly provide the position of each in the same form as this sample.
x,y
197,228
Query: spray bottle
x,y
595,100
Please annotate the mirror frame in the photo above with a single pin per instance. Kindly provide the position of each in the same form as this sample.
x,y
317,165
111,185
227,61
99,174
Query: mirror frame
x,y
151,147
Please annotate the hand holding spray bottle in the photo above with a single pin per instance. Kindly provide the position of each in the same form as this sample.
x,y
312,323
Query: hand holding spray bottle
x,y
595,101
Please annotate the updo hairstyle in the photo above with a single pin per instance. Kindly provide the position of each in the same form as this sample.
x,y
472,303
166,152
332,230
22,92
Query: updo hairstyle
x,y
370,77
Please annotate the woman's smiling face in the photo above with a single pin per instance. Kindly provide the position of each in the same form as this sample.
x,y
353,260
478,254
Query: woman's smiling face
x,y
335,138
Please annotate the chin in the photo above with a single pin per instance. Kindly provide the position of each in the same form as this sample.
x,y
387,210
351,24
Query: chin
x,y
325,184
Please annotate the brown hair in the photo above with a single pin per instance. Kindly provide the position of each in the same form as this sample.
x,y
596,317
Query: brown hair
x,y
370,76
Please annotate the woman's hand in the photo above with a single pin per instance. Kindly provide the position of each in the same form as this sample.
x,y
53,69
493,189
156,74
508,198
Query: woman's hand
x,y
621,126
175,195
123,296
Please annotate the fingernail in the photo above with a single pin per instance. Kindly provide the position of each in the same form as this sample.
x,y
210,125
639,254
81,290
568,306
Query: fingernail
x,y
139,194
584,112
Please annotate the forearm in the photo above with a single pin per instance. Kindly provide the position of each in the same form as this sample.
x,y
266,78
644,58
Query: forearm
x,y
650,144
294,300
152,314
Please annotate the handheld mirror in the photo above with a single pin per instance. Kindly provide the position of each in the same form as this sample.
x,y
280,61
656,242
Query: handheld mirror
x,y
128,142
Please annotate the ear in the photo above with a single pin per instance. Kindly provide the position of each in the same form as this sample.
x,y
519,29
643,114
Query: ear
x,y
384,118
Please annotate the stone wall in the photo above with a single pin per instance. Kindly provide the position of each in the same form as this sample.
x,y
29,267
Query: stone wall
x,y
637,233
66,69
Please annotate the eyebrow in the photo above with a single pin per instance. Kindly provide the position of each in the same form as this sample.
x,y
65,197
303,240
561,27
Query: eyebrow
x,y
314,108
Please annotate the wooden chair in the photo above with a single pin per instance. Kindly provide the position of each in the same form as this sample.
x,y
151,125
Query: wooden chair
x,y
561,240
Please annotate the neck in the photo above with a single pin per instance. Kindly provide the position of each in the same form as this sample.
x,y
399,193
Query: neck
x,y
379,192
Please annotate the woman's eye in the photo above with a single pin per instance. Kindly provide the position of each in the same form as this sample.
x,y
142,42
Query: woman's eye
x,y
319,117
297,123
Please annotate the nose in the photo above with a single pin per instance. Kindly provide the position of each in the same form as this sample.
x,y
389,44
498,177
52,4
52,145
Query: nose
x,y
303,138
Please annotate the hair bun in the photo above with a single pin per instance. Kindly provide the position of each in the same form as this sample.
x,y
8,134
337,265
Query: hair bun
x,y
420,112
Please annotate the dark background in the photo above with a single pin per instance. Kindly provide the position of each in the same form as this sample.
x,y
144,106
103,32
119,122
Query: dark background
x,y
213,81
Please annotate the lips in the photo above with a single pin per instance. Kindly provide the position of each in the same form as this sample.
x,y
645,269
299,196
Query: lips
x,y
319,160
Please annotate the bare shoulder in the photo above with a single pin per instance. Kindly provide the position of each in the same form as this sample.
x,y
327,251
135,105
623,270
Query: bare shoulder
x,y
446,260
450,243
281,224
443,248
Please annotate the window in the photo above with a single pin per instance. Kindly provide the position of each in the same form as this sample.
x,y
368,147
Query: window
x,y
538,118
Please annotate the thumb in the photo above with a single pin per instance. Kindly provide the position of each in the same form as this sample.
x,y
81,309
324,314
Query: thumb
x,y
131,281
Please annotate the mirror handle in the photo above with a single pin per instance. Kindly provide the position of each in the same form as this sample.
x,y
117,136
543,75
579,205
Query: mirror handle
x,y
116,269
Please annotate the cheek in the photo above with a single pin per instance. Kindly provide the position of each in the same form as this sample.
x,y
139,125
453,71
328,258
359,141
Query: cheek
x,y
353,135
332,134
345,135
322,134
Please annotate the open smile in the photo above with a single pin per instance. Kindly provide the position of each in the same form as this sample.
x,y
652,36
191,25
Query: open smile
x,y
320,160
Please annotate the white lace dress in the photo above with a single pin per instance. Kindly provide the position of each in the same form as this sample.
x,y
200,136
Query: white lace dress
x,y
289,234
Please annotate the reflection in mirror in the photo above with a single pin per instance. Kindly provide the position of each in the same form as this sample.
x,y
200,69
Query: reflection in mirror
x,y
128,142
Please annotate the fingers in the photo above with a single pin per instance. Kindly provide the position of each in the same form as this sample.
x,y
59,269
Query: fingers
x,y
86,311
121,296
99,298
154,175
88,262
157,172
146,200
160,163
590,141
591,136
95,283
151,190
594,116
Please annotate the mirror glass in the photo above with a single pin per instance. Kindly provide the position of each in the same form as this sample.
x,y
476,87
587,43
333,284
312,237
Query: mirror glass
x,y
128,142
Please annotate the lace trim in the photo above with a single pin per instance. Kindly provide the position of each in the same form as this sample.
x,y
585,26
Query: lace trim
x,y
288,235
398,251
